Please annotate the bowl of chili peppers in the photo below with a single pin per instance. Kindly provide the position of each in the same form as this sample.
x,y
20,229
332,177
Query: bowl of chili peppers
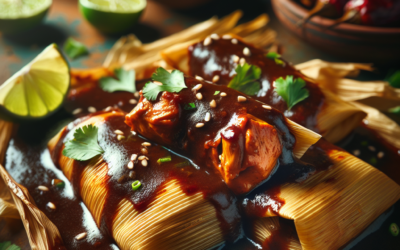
x,y
358,30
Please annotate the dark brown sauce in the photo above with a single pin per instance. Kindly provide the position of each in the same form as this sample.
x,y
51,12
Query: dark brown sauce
x,y
217,59
153,177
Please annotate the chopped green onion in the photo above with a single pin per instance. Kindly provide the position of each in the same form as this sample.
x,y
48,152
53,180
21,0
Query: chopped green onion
x,y
182,164
394,229
165,159
279,62
58,183
190,106
273,55
136,185
217,92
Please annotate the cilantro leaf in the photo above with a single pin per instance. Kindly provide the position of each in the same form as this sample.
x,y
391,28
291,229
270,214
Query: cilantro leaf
x,y
246,78
395,110
273,55
292,91
74,49
8,246
217,92
125,81
189,106
394,79
171,82
84,146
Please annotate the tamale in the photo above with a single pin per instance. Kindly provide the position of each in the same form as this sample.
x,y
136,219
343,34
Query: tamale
x,y
321,111
173,209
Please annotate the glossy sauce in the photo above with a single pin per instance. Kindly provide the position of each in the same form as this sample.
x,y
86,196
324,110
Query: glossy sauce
x,y
218,59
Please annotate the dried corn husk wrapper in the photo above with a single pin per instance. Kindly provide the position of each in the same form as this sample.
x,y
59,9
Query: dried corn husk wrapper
x,y
173,219
16,202
370,97
334,206
130,53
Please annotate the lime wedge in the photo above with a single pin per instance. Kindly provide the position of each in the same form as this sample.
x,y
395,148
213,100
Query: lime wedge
x,y
18,15
38,88
112,16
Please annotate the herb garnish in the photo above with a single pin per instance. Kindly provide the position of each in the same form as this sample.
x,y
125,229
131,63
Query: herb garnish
x,y
292,91
189,106
394,229
395,110
164,159
136,185
171,82
74,49
84,146
275,56
125,81
8,246
246,79
394,79
217,92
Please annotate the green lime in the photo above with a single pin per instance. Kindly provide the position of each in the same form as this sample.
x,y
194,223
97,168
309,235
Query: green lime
x,y
112,16
18,15
38,88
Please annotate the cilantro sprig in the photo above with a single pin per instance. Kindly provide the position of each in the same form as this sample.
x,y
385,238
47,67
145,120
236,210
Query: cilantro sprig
x,y
395,110
246,78
84,146
171,82
394,78
74,49
291,90
125,81
276,57
8,246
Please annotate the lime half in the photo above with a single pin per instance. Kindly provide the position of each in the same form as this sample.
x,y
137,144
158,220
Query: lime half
x,y
38,88
112,16
18,15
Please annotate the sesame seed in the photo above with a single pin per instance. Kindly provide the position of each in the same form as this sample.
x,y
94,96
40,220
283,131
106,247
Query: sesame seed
x,y
372,148
246,51
220,157
43,188
136,94
223,94
118,132
214,36
213,104
108,108
199,125
241,99
266,107
197,87
226,37
132,101
142,157
146,144
76,111
381,155
207,117
81,236
120,137
207,41
199,78
133,132
215,78
356,152
144,163
144,151
234,41
199,96
51,205
242,61
132,174
92,109
235,58
130,165
133,157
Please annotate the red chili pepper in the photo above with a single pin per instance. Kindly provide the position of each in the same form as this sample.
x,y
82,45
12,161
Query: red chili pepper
x,y
326,8
372,12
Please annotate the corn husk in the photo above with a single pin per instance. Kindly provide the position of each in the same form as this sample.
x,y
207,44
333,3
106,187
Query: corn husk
x,y
16,202
173,220
131,53
264,228
334,206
